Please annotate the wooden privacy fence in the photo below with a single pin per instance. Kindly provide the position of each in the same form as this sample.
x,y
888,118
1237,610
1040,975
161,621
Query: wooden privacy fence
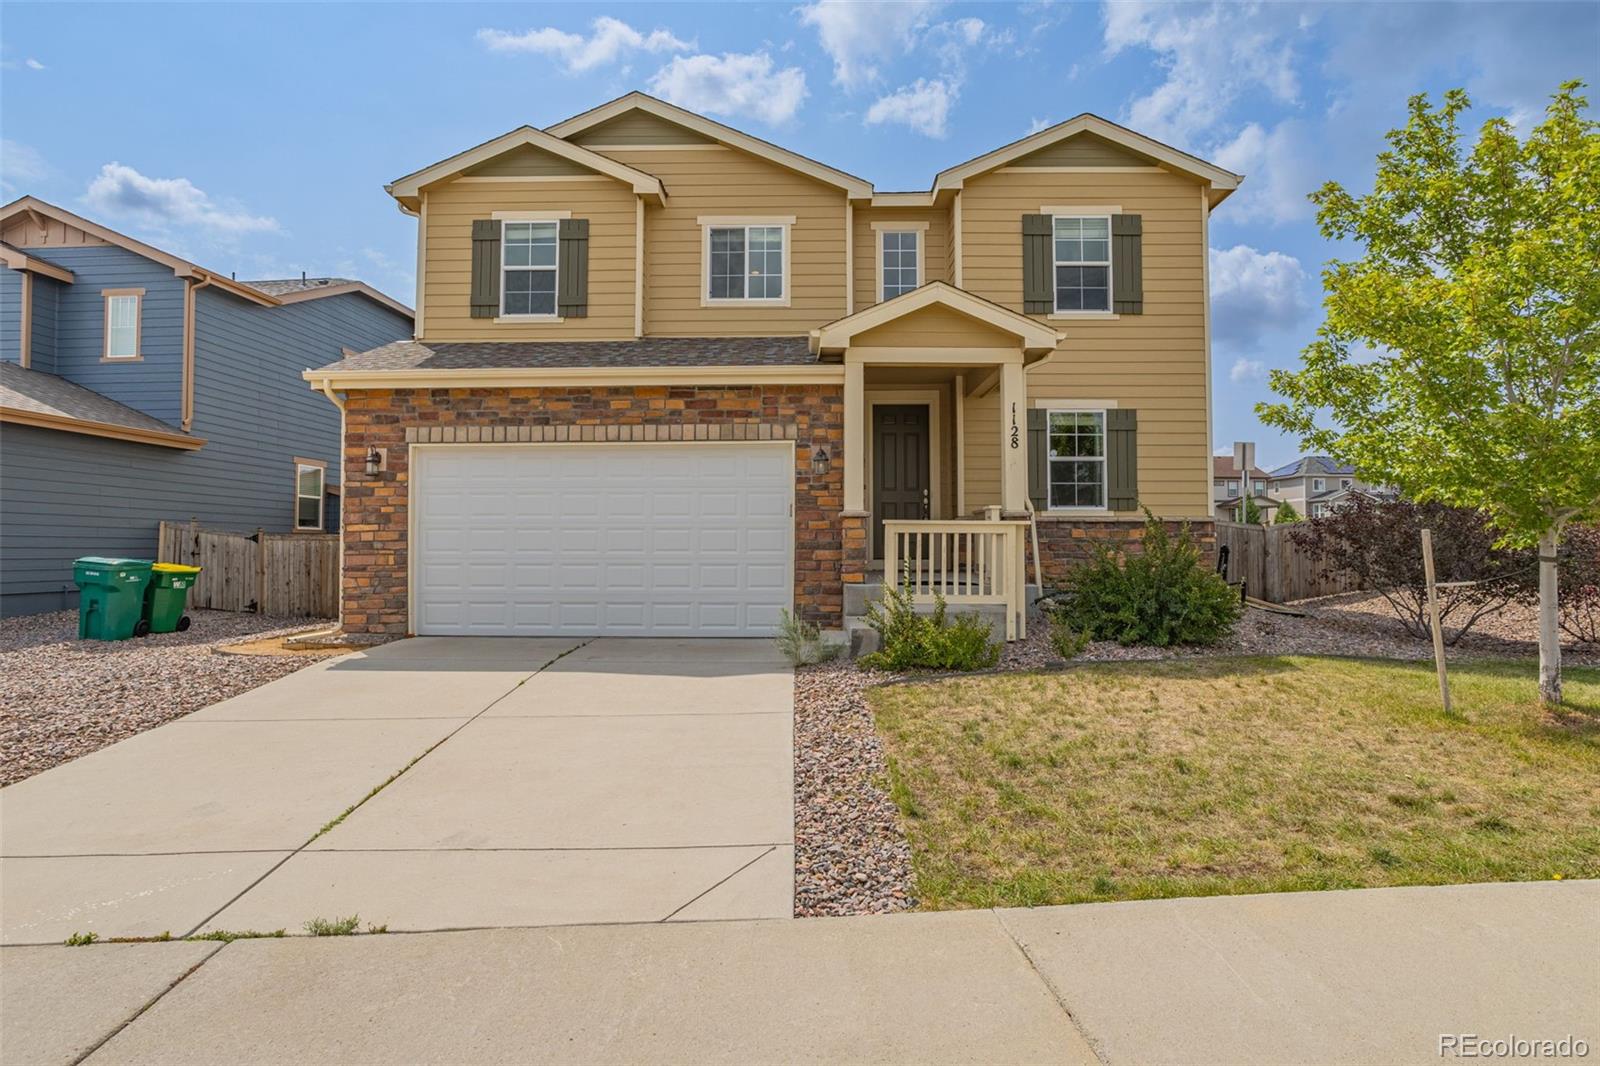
x,y
288,574
1273,567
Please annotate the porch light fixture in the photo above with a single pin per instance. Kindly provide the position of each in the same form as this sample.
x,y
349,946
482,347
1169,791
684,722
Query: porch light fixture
x,y
374,462
819,461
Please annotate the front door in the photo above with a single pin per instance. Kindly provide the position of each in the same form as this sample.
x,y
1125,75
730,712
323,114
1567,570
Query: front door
x,y
899,466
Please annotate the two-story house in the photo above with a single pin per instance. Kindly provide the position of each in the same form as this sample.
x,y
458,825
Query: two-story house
x,y
670,378
1236,478
1317,485
137,387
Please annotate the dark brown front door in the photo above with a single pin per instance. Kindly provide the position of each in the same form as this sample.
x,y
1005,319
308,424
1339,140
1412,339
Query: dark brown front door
x,y
899,466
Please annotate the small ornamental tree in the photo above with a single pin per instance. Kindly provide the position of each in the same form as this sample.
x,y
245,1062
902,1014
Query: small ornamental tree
x,y
1286,514
1376,544
1249,513
1460,356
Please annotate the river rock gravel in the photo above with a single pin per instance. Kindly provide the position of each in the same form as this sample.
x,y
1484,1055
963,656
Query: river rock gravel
x,y
61,697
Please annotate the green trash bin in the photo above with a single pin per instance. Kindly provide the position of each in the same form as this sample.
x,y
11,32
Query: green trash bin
x,y
167,595
111,604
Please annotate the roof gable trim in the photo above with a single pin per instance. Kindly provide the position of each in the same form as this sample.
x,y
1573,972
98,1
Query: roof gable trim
x,y
1032,336
410,186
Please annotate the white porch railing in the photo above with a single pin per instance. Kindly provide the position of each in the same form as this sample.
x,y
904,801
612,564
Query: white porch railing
x,y
968,562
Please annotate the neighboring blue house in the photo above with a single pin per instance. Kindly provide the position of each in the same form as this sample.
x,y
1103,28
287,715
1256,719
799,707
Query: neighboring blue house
x,y
137,387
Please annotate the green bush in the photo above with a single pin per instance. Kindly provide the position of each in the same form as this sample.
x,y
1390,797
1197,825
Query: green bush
x,y
801,641
1162,596
1067,641
911,641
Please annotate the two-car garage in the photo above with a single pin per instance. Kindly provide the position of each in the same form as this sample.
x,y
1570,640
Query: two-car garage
x,y
644,539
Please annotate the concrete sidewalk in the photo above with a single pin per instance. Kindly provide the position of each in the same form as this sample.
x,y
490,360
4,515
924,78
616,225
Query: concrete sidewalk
x,y
1343,977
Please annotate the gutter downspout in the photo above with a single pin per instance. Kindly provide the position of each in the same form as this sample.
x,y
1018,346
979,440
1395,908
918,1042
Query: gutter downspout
x,y
186,404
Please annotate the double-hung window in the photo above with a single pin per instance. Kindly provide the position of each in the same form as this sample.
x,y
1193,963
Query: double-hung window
x,y
1259,488
902,256
1083,263
1077,459
308,495
122,323
1233,488
1318,485
528,269
745,263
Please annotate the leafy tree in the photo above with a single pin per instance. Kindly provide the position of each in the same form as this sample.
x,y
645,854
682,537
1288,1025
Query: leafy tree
x,y
1249,513
1286,514
1460,356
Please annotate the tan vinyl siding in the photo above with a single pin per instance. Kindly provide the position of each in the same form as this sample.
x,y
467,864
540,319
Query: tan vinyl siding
x,y
1084,150
935,252
526,161
727,182
934,326
451,209
981,450
638,127
1154,362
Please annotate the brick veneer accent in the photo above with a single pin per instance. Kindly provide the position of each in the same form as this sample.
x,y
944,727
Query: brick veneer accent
x,y
374,522
1066,542
857,556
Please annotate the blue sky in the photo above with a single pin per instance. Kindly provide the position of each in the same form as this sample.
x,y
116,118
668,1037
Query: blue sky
x,y
257,138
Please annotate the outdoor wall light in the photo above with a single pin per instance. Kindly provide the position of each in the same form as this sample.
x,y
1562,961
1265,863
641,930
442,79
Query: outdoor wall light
x,y
374,462
819,461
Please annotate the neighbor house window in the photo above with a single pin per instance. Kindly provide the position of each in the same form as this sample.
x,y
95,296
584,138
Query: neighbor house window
x,y
1077,459
902,256
528,262
1318,485
1260,488
1320,510
1233,488
1083,263
1345,482
745,263
308,495
122,322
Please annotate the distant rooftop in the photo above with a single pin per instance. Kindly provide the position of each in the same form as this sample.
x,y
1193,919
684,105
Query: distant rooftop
x,y
282,286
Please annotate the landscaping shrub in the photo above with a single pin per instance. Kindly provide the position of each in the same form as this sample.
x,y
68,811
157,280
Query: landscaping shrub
x,y
1163,596
801,641
1067,641
911,641
1379,543
1579,571
1286,514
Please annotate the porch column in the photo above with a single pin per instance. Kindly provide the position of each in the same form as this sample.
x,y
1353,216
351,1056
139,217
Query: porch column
x,y
855,432
1013,439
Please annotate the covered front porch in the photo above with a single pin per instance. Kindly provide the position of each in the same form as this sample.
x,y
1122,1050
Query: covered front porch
x,y
936,449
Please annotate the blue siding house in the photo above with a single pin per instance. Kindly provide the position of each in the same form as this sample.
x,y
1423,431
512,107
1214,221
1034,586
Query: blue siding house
x,y
137,387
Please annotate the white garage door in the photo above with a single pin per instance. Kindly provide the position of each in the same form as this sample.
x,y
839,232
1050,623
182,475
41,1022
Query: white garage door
x,y
634,539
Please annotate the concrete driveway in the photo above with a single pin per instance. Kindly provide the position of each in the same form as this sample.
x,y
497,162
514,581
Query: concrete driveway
x,y
433,783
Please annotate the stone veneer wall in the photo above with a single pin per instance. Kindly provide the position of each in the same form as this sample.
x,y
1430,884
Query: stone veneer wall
x,y
1066,542
374,522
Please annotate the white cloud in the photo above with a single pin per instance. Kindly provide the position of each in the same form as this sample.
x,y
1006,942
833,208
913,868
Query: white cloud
x,y
1281,167
732,84
33,64
924,106
20,163
1038,124
611,39
1247,370
1212,55
164,202
1254,293
860,36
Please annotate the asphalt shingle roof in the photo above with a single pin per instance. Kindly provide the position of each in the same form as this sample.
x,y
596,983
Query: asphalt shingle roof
x,y
284,286
1316,465
648,351
46,394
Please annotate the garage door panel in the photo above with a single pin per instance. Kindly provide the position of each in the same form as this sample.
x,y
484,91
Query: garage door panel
x,y
676,539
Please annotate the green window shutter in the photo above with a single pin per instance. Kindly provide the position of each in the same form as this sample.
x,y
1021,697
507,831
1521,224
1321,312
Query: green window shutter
x,y
1039,458
573,299
1038,265
1122,459
485,268
1127,264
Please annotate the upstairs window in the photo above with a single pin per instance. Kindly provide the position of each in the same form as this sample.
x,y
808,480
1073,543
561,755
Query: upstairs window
x,y
745,263
1077,459
1233,488
902,255
1345,483
1318,485
122,323
528,263
1259,487
309,475
1083,263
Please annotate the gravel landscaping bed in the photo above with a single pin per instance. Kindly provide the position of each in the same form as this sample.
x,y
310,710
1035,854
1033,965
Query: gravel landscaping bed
x,y
61,697
851,855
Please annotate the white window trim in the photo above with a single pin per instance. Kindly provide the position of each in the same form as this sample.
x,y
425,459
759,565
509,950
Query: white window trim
x,y
137,296
301,465
921,230
1049,489
1111,296
1318,485
504,217
710,222
1233,487
1347,483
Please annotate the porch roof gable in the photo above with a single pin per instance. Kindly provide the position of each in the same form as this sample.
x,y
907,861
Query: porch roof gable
x,y
1030,336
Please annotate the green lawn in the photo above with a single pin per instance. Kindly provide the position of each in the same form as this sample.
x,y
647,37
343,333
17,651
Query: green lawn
x,y
1218,776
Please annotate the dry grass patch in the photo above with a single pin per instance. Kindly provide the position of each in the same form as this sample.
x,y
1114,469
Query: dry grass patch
x,y
1220,776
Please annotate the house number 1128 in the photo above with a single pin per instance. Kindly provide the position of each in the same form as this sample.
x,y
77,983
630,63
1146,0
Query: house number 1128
x,y
1016,435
